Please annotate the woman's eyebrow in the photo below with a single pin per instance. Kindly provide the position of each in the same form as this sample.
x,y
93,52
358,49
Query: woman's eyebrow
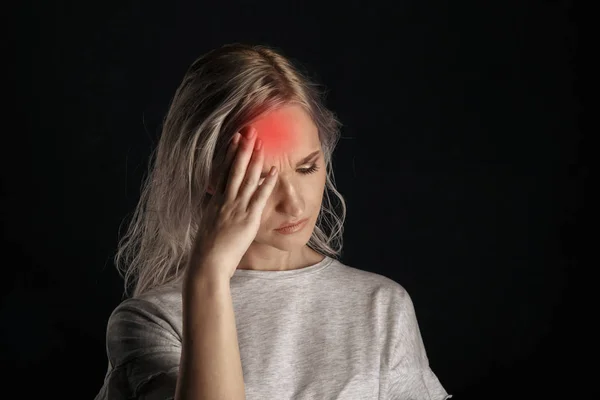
x,y
307,158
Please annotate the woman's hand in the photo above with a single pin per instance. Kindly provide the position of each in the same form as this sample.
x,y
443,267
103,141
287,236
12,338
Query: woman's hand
x,y
235,209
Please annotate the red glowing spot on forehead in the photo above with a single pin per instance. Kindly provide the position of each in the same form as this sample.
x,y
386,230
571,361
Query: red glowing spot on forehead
x,y
279,131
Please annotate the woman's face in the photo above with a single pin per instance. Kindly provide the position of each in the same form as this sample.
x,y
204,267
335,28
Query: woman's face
x,y
291,143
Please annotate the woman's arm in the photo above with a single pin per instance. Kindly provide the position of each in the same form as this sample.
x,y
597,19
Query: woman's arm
x,y
210,367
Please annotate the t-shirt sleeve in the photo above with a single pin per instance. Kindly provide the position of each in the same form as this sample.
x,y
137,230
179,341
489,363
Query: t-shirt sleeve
x,y
144,351
410,377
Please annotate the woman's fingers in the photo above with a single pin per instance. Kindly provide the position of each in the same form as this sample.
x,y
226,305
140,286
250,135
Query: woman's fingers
x,y
261,195
253,171
240,164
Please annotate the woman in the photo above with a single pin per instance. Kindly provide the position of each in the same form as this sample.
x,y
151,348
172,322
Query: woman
x,y
228,302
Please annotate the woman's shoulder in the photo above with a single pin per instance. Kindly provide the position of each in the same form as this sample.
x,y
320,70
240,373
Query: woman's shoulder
x,y
158,304
371,281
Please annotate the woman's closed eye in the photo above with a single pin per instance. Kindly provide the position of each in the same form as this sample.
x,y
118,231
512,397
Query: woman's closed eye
x,y
311,170
305,171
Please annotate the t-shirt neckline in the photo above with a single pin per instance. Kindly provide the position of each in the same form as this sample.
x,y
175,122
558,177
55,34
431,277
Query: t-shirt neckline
x,y
311,269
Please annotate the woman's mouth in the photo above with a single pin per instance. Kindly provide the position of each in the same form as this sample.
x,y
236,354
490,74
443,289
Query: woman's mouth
x,y
293,228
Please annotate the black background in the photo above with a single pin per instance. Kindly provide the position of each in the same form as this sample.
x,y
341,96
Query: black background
x,y
460,161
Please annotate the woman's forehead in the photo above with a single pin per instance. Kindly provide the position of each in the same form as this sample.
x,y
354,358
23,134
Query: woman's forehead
x,y
286,130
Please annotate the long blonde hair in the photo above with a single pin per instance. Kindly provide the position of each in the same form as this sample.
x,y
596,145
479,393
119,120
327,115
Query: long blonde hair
x,y
222,91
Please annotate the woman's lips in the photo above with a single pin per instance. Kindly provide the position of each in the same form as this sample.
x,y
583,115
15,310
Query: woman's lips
x,y
293,228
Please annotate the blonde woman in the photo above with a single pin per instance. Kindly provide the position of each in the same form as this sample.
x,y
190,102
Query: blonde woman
x,y
233,251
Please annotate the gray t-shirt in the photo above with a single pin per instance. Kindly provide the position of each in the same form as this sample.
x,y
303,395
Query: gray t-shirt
x,y
327,331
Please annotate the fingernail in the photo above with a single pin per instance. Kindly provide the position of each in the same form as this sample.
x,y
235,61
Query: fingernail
x,y
251,133
236,138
